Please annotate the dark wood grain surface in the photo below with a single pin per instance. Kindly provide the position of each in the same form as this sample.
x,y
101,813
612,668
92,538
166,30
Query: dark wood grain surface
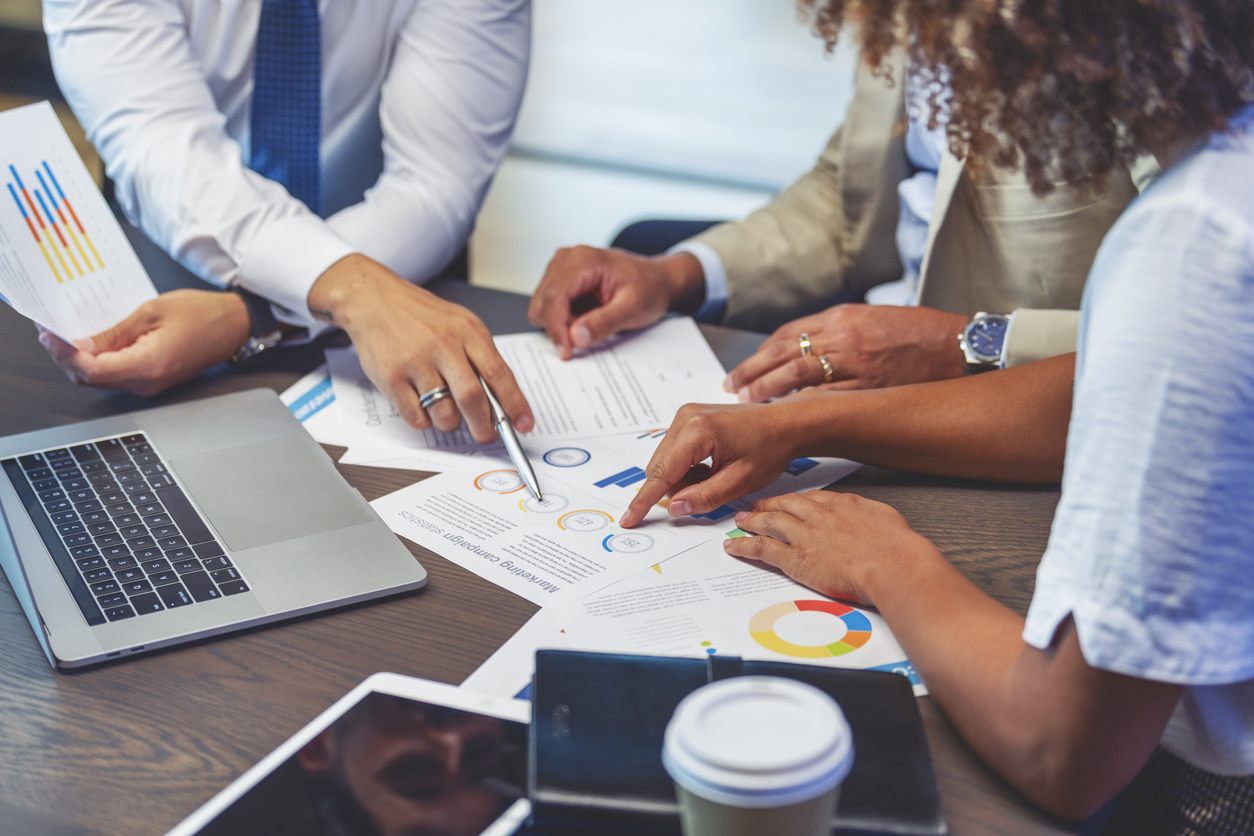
x,y
133,747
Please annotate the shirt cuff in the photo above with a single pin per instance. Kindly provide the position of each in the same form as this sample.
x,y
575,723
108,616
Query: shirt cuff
x,y
1038,335
285,261
711,309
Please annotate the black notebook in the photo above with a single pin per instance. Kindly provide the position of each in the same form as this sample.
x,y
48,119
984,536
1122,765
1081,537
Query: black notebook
x,y
596,742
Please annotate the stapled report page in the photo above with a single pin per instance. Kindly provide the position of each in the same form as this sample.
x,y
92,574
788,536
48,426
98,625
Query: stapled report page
x,y
64,260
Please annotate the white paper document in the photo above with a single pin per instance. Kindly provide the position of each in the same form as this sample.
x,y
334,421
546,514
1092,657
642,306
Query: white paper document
x,y
634,383
64,261
700,603
312,400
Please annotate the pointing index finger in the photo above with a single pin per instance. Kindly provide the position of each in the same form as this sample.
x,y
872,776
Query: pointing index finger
x,y
668,467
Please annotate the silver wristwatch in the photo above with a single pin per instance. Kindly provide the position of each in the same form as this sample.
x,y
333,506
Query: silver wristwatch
x,y
983,342
264,330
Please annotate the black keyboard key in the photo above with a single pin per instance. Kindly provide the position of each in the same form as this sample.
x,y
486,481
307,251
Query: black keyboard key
x,y
210,549
89,563
149,555
189,564
51,496
46,484
114,497
123,467
95,517
224,575
142,499
59,453
112,450
128,576
119,613
64,517
170,543
89,505
82,495
234,587
135,488
136,587
39,473
75,484
146,603
139,449
140,543
77,540
85,453
184,553
84,551
59,552
98,479
201,587
161,480
152,469
98,466
113,600
152,567
174,595
95,575
61,463
75,527
32,461
103,587
146,458
185,515
120,550
120,508
163,578
165,531
125,520
150,508
109,488
130,532
71,473
220,562
157,519
120,563
103,528
136,438
109,539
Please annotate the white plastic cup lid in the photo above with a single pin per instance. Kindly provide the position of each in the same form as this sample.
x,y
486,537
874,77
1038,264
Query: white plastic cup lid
x,y
758,741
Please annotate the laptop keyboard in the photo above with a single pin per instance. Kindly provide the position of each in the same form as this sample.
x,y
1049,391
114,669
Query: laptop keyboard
x,y
120,529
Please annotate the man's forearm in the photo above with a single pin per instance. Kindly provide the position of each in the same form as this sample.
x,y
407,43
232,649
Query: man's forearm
x,y
1007,426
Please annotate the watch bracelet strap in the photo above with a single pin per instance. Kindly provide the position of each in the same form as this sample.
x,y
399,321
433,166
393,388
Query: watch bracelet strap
x,y
261,320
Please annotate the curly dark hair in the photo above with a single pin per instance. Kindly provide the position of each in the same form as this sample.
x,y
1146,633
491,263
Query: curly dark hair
x,y
1067,89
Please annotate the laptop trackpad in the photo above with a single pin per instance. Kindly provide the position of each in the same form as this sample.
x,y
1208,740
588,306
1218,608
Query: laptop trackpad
x,y
268,493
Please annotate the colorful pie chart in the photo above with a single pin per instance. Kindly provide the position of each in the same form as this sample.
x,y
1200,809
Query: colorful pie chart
x,y
857,629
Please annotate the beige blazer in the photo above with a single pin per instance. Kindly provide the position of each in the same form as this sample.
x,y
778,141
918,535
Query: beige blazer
x,y
992,245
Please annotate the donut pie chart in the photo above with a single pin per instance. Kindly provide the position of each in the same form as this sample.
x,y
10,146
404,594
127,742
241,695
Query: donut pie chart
x,y
857,625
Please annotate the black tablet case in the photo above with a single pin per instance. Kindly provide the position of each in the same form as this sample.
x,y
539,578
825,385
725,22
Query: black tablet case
x,y
596,742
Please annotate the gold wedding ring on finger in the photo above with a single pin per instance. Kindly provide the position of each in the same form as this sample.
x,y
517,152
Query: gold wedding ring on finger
x,y
828,371
426,399
804,342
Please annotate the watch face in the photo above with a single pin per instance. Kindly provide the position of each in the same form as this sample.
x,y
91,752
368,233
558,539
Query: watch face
x,y
987,336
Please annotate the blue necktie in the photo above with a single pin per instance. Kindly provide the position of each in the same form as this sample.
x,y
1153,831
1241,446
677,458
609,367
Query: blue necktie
x,y
287,97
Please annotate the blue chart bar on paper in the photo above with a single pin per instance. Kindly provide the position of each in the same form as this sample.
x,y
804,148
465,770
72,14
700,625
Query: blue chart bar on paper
x,y
626,478
717,514
800,466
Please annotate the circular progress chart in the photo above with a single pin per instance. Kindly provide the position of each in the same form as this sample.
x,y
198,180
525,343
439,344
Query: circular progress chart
x,y
857,629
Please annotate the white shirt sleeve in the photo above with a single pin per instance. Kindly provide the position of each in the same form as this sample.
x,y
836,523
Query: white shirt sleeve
x,y
447,112
715,279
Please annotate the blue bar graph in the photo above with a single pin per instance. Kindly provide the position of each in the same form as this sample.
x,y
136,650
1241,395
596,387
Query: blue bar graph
x,y
626,478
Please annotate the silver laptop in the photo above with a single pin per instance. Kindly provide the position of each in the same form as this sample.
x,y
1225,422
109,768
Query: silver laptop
x,y
141,531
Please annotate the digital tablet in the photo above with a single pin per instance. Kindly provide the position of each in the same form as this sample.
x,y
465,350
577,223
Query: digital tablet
x,y
397,756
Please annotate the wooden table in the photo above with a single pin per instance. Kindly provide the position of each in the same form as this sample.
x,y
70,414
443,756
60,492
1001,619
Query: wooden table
x,y
132,748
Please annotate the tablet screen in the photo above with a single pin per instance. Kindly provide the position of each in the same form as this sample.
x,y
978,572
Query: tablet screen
x,y
389,766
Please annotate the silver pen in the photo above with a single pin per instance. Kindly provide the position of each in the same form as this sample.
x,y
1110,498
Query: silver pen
x,y
512,444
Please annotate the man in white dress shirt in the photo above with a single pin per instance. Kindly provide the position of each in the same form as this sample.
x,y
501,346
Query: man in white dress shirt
x,y
412,115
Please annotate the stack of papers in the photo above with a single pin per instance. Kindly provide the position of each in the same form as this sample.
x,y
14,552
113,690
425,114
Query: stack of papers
x,y
664,587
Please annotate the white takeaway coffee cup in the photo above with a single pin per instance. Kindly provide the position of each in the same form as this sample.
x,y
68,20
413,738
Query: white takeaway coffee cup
x,y
756,755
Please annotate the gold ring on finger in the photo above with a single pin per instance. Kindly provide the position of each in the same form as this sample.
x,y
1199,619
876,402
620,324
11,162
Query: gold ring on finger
x,y
804,341
426,399
828,372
